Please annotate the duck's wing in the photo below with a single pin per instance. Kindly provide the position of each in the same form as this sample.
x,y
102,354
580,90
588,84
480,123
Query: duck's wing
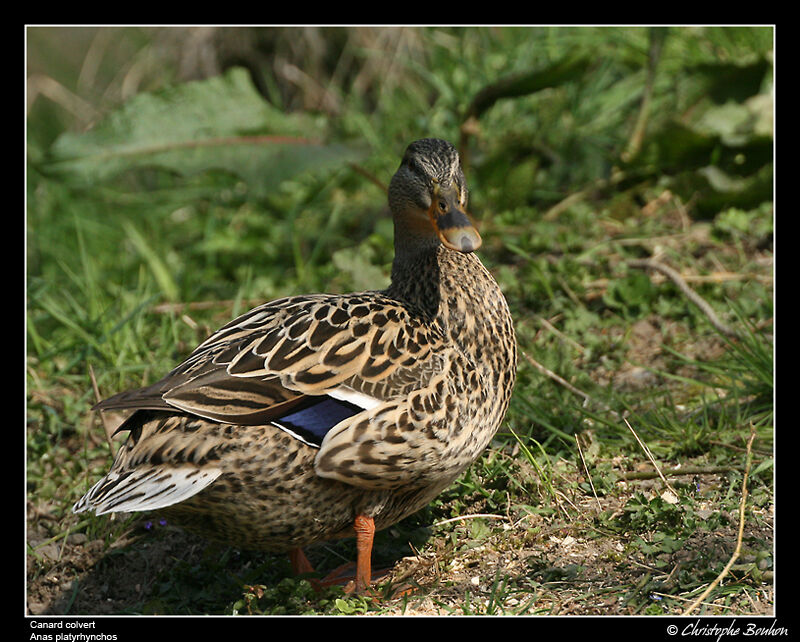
x,y
358,363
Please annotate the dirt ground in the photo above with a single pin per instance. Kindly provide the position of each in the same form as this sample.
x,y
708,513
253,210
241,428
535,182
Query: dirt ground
x,y
564,569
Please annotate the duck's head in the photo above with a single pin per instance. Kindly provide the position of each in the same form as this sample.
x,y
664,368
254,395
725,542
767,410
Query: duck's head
x,y
428,198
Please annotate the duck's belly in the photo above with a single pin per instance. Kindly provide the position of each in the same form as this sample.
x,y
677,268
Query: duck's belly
x,y
277,504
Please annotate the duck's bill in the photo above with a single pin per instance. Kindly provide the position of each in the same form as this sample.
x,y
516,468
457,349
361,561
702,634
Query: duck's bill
x,y
453,226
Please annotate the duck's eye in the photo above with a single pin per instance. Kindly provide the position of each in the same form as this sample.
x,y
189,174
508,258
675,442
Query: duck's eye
x,y
442,207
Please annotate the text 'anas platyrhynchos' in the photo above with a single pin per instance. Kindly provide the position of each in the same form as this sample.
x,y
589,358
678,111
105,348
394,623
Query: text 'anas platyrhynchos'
x,y
321,416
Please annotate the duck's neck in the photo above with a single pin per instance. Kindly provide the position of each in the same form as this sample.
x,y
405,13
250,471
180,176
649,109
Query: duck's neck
x,y
438,282
416,276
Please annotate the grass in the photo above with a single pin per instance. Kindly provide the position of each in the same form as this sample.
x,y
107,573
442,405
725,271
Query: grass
x,y
128,274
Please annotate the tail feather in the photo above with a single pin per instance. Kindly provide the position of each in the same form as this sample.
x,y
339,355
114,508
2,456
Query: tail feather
x,y
148,488
137,399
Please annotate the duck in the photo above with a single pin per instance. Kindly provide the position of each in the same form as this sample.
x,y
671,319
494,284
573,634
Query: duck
x,y
321,416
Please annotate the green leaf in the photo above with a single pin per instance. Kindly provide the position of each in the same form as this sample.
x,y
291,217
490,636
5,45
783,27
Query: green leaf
x,y
221,123
634,291
571,67
732,80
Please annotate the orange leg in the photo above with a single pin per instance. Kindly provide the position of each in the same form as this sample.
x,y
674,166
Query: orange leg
x,y
365,532
300,563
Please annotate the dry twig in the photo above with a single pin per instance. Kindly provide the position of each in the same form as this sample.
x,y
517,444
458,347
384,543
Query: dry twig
x,y
556,377
109,430
369,176
472,516
657,36
674,472
650,457
588,474
695,298
737,550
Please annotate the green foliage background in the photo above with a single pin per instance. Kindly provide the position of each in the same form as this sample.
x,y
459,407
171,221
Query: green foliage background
x,y
178,176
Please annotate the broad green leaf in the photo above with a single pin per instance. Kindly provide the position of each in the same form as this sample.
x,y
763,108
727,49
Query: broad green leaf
x,y
572,67
221,123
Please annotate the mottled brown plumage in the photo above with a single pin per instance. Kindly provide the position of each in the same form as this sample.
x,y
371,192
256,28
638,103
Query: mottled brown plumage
x,y
415,381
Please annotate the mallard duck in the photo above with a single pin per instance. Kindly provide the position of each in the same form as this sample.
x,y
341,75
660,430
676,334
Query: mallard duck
x,y
321,416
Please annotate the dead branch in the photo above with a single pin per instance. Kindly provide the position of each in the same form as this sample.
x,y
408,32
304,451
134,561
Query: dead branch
x,y
742,506
652,264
